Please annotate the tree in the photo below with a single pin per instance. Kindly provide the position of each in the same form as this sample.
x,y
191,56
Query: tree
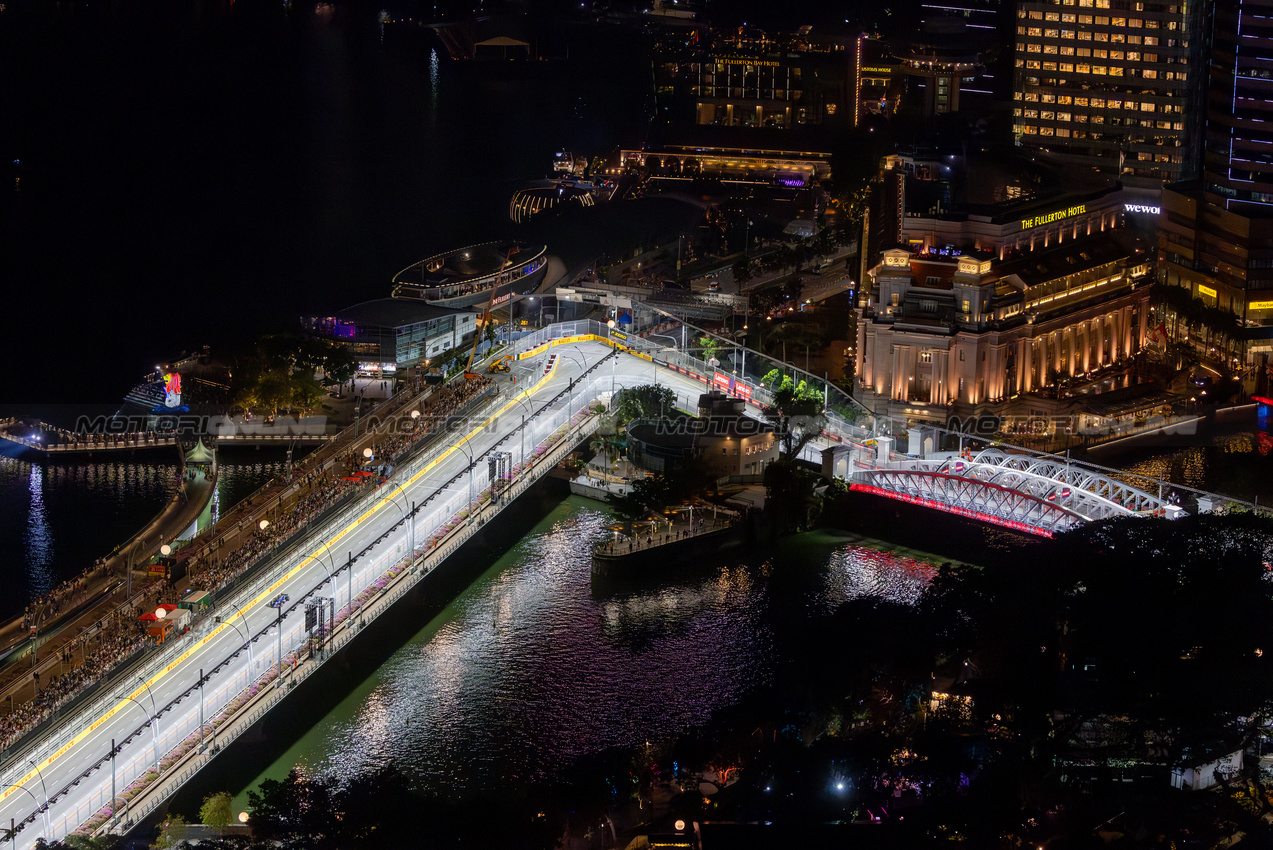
x,y
646,401
294,809
340,366
743,271
275,390
306,392
608,445
797,415
216,811
172,832
710,345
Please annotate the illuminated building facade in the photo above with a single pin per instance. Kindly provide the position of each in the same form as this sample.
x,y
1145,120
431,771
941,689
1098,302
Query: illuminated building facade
x,y
388,335
1002,204
1111,84
972,331
752,79
730,163
1216,233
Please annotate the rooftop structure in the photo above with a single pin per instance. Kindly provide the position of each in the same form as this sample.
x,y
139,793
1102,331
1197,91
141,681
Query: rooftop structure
x,y
972,330
464,277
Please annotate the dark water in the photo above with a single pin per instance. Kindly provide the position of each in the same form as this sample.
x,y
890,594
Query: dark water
x,y
1234,459
57,518
532,667
195,172
198,172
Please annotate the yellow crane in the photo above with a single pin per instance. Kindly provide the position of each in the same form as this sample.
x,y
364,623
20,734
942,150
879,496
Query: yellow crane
x,y
469,374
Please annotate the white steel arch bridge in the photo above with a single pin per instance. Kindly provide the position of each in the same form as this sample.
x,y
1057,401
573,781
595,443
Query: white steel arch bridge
x,y
1036,494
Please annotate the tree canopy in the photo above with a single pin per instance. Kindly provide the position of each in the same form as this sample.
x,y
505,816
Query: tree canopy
x,y
647,401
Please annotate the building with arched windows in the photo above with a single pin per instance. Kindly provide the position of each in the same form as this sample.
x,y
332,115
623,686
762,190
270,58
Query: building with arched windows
x,y
962,334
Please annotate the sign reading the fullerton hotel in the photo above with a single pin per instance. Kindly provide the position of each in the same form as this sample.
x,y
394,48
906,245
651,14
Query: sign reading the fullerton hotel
x,y
1048,218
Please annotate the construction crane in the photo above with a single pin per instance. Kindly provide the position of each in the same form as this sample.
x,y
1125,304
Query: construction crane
x,y
469,374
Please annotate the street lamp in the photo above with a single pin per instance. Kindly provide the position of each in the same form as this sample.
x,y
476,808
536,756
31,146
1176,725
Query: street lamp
x,y
47,826
245,633
468,453
155,708
150,721
410,518
332,575
13,832
278,604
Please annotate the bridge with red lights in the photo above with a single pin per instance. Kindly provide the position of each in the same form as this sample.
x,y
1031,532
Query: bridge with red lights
x,y
1032,493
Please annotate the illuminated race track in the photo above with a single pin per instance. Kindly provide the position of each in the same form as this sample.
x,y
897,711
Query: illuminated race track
x,y
71,768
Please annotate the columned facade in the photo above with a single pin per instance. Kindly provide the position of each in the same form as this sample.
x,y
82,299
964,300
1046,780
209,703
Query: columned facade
x,y
986,334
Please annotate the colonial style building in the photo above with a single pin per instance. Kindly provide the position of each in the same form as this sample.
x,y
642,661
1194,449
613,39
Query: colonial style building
x,y
970,331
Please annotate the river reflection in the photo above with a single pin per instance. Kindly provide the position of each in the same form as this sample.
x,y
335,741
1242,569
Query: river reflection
x,y
1234,459
533,667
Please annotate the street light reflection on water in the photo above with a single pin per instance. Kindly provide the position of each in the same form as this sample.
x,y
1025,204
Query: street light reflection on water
x,y
533,667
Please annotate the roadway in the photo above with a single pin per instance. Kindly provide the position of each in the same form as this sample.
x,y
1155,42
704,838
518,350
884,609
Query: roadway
x,y
71,767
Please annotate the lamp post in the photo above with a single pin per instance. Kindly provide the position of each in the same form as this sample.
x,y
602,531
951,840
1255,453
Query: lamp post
x,y
246,633
278,604
331,574
468,453
48,827
13,832
150,721
570,409
154,707
410,518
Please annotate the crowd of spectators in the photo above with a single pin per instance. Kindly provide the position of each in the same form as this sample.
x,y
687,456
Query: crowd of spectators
x,y
99,653
121,633
68,594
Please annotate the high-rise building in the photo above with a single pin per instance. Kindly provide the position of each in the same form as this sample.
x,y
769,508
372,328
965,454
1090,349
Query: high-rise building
x,y
1216,233
1111,84
1238,153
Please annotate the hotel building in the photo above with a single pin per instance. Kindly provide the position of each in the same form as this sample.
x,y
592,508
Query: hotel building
x,y
1216,233
994,278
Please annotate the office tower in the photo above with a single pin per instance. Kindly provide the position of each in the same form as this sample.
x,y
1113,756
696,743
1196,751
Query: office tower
x,y
1216,233
1113,85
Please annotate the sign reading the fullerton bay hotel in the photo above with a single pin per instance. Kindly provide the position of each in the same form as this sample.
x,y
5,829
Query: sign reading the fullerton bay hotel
x,y
1048,218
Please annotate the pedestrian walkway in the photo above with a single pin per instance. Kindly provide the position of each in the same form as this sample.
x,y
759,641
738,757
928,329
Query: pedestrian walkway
x,y
652,534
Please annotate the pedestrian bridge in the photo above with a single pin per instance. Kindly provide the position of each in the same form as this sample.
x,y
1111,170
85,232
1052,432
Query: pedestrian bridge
x,y
1036,494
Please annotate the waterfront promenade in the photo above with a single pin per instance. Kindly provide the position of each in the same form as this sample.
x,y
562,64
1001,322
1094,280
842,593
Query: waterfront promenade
x,y
40,641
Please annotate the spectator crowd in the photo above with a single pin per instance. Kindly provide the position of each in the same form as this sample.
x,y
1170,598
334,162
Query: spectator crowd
x,y
120,634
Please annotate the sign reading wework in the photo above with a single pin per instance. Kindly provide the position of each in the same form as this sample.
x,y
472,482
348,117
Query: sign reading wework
x,y
1141,208
1048,218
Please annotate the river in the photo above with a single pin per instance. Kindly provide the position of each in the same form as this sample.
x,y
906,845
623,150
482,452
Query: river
x,y
58,517
532,668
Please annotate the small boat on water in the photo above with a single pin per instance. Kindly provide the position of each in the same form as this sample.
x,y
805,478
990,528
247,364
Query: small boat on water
x,y
463,278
